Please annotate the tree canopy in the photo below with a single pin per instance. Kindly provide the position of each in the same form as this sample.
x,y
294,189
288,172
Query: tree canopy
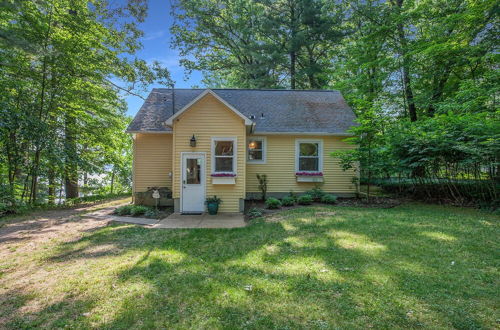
x,y
64,66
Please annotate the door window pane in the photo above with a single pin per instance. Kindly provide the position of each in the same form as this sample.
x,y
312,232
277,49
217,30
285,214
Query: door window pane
x,y
193,175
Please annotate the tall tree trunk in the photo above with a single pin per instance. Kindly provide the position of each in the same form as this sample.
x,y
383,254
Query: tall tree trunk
x,y
71,182
71,167
438,91
60,190
412,110
34,177
52,186
85,183
293,58
293,51
112,180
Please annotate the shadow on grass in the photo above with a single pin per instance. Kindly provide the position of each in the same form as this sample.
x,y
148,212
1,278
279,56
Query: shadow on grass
x,y
55,315
400,267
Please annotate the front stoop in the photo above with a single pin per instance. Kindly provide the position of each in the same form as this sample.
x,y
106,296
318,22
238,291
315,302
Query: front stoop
x,y
221,220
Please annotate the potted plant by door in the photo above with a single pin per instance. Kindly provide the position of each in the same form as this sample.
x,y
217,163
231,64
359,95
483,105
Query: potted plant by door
x,y
213,205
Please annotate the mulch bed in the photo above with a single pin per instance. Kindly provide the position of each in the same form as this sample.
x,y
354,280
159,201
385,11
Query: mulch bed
x,y
163,212
375,202
379,202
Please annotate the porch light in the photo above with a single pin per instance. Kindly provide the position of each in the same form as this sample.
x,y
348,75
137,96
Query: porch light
x,y
192,142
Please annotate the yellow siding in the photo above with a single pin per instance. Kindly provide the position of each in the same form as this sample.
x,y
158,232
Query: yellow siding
x,y
205,119
280,166
152,161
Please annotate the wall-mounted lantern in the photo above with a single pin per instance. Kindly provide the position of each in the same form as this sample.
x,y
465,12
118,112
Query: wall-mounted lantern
x,y
192,142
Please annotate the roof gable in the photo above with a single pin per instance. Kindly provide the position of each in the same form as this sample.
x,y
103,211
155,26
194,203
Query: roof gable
x,y
170,120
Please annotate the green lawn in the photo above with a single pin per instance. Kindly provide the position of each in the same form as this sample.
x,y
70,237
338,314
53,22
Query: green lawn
x,y
332,267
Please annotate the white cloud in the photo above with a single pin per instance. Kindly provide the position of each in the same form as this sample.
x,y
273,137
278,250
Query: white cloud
x,y
153,35
170,62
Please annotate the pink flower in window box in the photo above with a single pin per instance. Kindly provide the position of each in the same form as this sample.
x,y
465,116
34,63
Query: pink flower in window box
x,y
309,174
223,175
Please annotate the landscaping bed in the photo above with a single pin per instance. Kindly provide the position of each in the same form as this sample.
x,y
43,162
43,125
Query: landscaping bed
x,y
384,203
141,211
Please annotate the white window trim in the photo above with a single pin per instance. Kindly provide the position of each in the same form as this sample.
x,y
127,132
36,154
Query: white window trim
x,y
320,154
235,153
264,149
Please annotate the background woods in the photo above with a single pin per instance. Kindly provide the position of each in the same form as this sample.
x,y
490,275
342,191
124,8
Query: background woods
x,y
421,76
62,118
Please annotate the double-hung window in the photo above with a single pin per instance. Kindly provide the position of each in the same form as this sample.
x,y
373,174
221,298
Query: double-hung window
x,y
256,150
309,156
224,155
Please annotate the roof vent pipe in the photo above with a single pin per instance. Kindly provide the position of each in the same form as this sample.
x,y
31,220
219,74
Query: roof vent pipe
x,y
262,116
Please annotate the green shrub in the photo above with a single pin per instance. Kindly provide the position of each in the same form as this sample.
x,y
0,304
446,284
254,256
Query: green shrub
x,y
124,210
138,210
316,193
329,199
273,203
151,213
305,200
293,196
255,213
3,208
288,201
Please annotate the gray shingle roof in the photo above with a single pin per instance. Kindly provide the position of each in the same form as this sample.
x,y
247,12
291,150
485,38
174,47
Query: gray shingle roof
x,y
300,111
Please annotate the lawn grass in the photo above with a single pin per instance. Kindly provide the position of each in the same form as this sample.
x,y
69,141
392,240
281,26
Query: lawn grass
x,y
319,267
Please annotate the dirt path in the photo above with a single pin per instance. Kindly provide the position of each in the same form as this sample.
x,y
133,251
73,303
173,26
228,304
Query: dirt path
x,y
28,232
22,277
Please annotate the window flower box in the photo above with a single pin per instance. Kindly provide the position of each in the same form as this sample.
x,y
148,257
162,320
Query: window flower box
x,y
309,176
223,178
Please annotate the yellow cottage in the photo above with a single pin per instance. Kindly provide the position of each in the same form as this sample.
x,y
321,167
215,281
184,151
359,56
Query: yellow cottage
x,y
197,143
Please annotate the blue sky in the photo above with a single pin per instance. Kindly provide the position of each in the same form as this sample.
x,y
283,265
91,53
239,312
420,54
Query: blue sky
x,y
156,41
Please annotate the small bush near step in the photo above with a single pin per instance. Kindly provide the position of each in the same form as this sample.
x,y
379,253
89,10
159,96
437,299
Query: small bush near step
x,y
151,213
305,200
255,213
138,210
123,210
329,199
273,203
288,201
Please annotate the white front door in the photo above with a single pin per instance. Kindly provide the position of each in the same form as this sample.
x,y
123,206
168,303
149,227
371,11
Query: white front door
x,y
193,183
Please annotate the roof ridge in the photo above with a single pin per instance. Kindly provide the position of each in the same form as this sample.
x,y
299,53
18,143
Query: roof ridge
x,y
251,89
